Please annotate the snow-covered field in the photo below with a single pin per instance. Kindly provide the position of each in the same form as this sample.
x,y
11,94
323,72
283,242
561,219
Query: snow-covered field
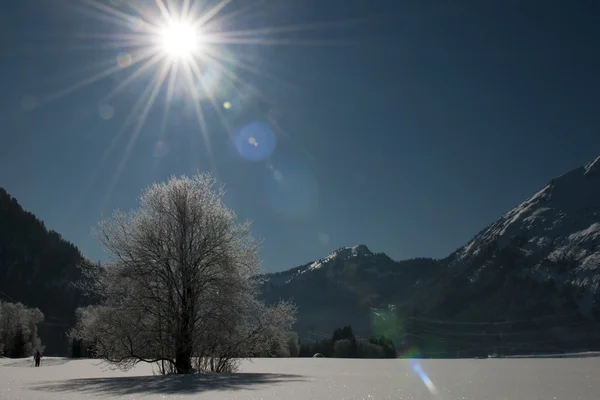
x,y
303,379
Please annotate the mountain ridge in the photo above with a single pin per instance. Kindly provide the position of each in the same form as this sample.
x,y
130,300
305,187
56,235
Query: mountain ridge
x,y
540,259
529,281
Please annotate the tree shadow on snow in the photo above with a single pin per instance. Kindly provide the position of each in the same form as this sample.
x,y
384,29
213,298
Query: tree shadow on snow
x,y
172,384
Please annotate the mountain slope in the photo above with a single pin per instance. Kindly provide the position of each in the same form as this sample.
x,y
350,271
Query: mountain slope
x,y
557,231
37,268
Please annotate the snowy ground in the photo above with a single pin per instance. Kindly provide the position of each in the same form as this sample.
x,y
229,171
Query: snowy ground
x,y
303,379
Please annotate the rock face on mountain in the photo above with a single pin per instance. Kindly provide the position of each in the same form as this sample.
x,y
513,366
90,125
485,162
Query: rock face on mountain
x,y
527,283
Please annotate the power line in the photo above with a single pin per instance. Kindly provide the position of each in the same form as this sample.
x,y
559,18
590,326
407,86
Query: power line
x,y
504,322
8,297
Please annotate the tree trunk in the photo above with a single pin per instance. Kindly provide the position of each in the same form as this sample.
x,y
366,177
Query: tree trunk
x,y
183,360
183,350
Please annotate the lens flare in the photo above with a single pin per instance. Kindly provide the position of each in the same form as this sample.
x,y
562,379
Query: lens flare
x,y
292,190
255,141
416,367
106,111
124,60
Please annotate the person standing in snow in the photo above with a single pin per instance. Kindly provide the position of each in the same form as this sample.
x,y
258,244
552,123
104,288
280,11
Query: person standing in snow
x,y
38,358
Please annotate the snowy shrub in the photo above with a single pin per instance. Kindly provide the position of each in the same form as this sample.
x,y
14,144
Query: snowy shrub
x,y
286,344
182,285
18,330
293,344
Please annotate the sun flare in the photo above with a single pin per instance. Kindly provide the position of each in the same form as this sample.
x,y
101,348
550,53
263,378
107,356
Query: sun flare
x,y
192,49
180,39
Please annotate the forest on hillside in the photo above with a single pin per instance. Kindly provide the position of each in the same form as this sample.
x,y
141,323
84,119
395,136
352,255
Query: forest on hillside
x,y
39,269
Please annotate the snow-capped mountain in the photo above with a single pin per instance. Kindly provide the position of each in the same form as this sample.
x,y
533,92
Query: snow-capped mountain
x,y
557,230
351,285
531,278
341,254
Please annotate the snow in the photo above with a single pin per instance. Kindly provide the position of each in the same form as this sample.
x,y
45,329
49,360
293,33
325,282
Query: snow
x,y
560,223
343,253
593,167
313,378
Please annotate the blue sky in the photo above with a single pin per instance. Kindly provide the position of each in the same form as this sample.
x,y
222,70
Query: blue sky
x,y
409,130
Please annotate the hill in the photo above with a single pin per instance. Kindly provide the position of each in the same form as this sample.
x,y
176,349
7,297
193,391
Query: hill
x,y
38,268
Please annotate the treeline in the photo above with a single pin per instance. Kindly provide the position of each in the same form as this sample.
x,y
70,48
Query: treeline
x,y
343,344
19,330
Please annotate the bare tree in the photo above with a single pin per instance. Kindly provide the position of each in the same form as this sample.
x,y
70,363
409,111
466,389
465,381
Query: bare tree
x,y
182,286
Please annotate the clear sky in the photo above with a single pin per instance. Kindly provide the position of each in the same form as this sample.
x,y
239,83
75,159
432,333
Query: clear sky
x,y
404,125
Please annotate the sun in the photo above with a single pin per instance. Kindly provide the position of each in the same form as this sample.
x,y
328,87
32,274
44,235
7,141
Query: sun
x,y
180,40
188,47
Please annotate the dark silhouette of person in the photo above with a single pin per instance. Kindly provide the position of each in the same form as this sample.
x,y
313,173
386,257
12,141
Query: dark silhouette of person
x,y
38,358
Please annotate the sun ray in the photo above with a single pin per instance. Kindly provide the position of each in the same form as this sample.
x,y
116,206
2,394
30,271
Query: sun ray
x,y
282,42
103,17
191,41
149,63
196,71
163,9
120,17
210,14
170,93
186,7
135,37
200,117
215,23
105,46
152,92
119,39
85,82
244,65
236,79
293,28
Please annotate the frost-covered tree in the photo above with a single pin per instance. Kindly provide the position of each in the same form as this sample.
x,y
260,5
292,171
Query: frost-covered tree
x,y
18,330
182,285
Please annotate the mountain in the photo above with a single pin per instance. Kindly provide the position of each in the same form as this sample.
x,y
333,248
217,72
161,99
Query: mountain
x,y
38,268
557,230
350,286
526,283
553,237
